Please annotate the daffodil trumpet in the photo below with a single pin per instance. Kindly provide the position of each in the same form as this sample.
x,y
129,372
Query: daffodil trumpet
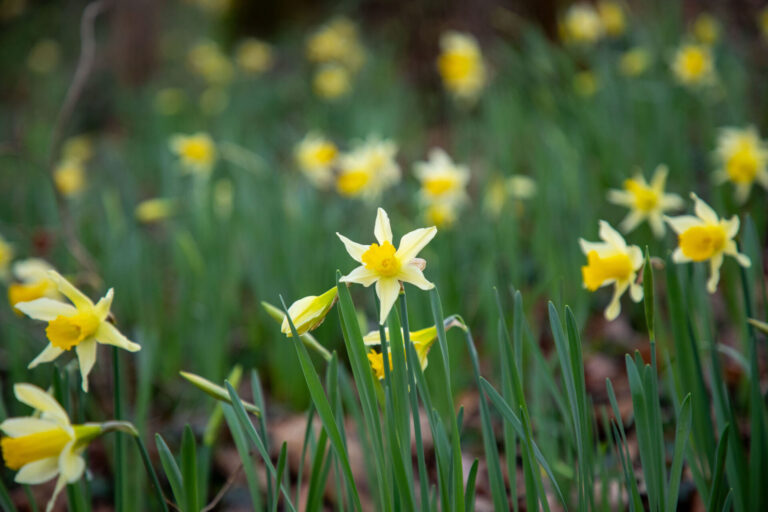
x,y
306,338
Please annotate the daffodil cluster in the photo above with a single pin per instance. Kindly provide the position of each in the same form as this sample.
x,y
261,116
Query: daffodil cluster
x,y
461,66
583,24
338,54
69,174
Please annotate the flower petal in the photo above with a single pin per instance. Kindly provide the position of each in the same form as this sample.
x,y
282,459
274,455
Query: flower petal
x,y
60,483
714,268
679,257
632,220
361,275
86,356
38,472
614,307
732,226
671,202
413,242
38,399
382,230
704,211
682,223
109,335
48,354
611,236
620,197
71,464
16,427
45,309
601,248
354,249
105,304
78,298
636,292
411,274
387,289
656,221
659,179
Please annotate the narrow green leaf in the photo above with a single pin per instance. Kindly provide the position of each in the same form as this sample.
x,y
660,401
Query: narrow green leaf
x,y
171,469
469,494
189,470
682,432
280,470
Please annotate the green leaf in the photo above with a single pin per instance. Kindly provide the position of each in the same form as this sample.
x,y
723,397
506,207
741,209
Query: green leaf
x,y
171,469
682,432
189,470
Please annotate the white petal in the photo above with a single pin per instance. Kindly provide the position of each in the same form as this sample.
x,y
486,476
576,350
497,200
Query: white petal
x,y
38,472
732,226
679,257
659,178
682,223
635,257
413,242
31,270
38,399
16,427
704,211
382,230
78,298
105,304
636,292
48,354
45,309
413,275
361,275
620,197
86,357
671,202
656,220
60,483
614,307
387,289
611,236
372,338
631,221
732,250
714,268
71,464
601,248
353,248
109,335
742,192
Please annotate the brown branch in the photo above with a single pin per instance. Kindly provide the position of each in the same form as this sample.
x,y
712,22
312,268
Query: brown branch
x,y
220,495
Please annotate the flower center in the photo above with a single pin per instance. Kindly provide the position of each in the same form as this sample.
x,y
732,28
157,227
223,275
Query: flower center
x,y
646,199
439,186
18,292
456,66
352,183
597,271
382,259
66,332
20,451
702,242
324,154
742,165
694,62
196,151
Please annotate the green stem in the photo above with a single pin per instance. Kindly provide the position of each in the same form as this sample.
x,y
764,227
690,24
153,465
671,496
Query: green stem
x,y
119,438
151,472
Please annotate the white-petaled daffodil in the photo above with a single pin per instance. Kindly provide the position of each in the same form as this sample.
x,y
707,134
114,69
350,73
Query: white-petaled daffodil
x,y
646,201
309,312
614,262
706,237
82,325
442,179
693,65
196,152
32,281
461,65
315,156
368,169
743,160
386,266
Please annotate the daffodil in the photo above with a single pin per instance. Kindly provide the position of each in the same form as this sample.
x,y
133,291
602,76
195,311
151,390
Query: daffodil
x,y
706,237
309,312
254,56
81,325
47,446
461,65
197,152
315,156
332,81
207,60
154,210
368,169
32,282
44,57
69,178
441,179
646,202
706,29
693,65
77,149
743,160
614,262
337,42
634,62
441,214
517,187
386,266
581,25
612,17
6,256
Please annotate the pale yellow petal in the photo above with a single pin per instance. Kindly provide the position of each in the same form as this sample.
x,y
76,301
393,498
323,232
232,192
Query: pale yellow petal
x,y
614,307
620,197
671,202
682,223
387,289
71,464
105,304
48,354
372,338
60,483
636,292
353,248
109,335
38,472
656,221
632,220
659,179
611,236
714,272
601,248
382,230
38,399
679,257
45,309
413,242
78,298
86,357
361,275
31,270
742,192
413,275
15,427
704,211
732,226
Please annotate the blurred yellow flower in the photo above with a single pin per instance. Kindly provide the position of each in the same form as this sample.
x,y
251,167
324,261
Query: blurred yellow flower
x,y
743,160
45,445
442,214
612,261
169,101
693,65
368,169
585,84
308,313
706,237
337,42
80,326
520,187
44,56
441,179
706,29
32,282
612,17
6,256
762,20
635,61
69,178
646,202
332,81
315,156
197,152
156,209
77,149
207,60
461,65
254,56
516,187
386,266
581,25
214,100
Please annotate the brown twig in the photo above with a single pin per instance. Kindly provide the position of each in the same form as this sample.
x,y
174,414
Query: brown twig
x,y
220,495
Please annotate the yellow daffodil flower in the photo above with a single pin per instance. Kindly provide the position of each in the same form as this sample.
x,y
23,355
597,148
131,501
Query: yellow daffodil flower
x,y
33,282
646,201
308,313
706,237
441,214
612,17
197,152
581,25
77,149
46,446
743,160
6,256
154,210
337,42
585,84
762,20
82,325
332,81
44,56
614,262
386,266
441,179
254,56
368,169
706,29
207,60
315,156
693,64
69,178
461,65
634,62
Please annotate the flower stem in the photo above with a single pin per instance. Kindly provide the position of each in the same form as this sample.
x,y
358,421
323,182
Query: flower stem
x,y
119,437
151,472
